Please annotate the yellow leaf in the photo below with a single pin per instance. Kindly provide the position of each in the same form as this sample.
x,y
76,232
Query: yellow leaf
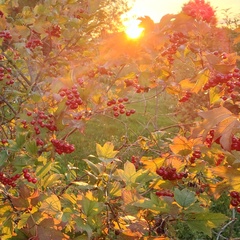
x,y
214,95
201,80
229,174
106,151
97,98
173,89
42,159
152,164
51,205
186,84
89,196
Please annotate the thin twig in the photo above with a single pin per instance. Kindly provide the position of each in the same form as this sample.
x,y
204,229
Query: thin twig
x,y
226,225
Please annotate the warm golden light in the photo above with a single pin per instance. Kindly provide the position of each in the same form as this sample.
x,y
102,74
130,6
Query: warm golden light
x,y
132,29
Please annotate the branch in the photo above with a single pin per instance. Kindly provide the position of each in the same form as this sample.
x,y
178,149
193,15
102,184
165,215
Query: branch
x,y
17,69
8,104
226,225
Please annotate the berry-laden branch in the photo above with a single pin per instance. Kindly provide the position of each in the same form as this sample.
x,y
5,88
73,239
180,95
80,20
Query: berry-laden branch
x,y
18,70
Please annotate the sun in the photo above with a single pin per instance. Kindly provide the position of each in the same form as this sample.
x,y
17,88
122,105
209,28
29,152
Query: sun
x,y
132,29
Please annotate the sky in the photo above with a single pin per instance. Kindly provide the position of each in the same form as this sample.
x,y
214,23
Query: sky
x,y
158,8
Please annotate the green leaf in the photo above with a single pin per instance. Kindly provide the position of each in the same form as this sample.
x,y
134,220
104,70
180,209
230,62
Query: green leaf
x,y
114,189
42,171
184,197
205,222
23,220
20,140
154,204
92,166
82,226
91,207
36,97
32,148
3,157
50,180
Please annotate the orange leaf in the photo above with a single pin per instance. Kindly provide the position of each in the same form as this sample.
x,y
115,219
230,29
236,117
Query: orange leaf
x,y
182,145
223,121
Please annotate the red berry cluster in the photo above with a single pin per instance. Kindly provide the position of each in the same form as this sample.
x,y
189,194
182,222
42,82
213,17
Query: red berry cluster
x,y
33,43
230,82
235,200
28,176
103,71
177,39
118,107
235,143
164,193
186,97
195,155
73,97
6,35
39,142
62,146
141,89
134,83
40,120
209,138
200,10
5,74
10,181
54,31
4,141
220,158
136,161
80,81
79,13
170,173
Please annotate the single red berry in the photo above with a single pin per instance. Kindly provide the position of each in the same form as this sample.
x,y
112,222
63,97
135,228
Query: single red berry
x,y
115,108
234,194
122,111
234,202
25,170
132,111
34,180
27,175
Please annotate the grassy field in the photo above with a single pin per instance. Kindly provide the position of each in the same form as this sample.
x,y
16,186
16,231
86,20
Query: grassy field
x,y
152,113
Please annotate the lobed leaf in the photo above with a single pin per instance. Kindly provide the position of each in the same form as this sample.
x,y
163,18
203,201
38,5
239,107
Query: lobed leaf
x,y
185,197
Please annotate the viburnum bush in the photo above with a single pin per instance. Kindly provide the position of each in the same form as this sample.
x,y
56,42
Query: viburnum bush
x,y
61,65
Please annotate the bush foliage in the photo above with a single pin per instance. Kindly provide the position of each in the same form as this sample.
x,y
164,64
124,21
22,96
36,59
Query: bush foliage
x,y
64,63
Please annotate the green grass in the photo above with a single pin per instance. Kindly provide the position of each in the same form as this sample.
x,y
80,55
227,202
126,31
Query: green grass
x,y
152,113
